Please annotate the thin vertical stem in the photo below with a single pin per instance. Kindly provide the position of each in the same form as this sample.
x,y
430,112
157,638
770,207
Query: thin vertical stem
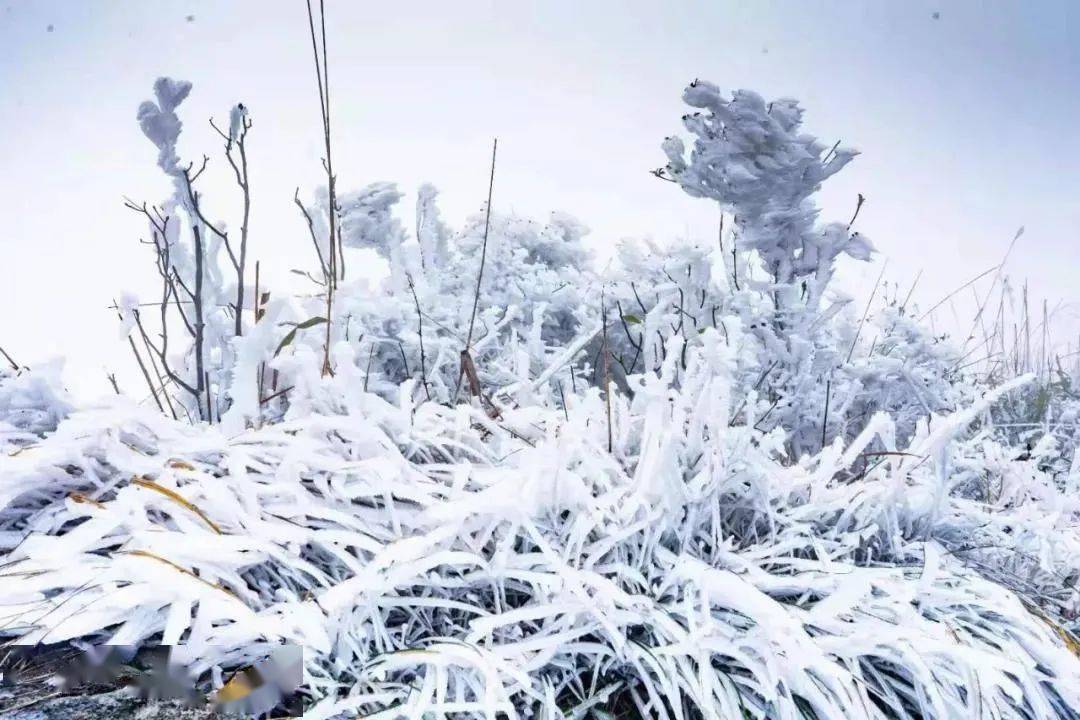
x,y
862,320
483,249
160,378
322,77
466,357
825,419
420,334
142,365
243,235
199,323
606,364
209,401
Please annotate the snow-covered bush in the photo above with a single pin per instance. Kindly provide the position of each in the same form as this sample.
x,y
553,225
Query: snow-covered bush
x,y
695,485
533,301
32,402
753,158
905,372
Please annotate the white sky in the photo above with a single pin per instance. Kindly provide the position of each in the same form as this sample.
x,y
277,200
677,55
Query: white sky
x,y
967,123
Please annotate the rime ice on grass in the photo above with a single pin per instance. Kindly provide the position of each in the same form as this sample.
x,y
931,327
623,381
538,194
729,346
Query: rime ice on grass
x,y
803,512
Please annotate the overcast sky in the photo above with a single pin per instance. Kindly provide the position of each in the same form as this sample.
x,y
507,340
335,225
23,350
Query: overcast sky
x,y
966,114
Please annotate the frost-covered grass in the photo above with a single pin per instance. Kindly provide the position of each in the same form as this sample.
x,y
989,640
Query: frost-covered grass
x,y
431,559
696,484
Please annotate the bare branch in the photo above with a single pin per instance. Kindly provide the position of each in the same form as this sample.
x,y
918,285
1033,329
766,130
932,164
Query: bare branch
x,y
420,333
314,239
14,365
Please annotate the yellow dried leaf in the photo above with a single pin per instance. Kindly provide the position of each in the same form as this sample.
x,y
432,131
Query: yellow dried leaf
x,y
178,499
80,498
1070,640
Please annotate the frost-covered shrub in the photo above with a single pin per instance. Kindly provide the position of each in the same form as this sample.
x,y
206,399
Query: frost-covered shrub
x,y
534,297
755,161
753,158
32,402
900,369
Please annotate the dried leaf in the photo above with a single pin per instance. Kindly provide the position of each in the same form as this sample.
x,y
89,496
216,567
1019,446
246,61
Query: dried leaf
x,y
82,499
179,500
174,566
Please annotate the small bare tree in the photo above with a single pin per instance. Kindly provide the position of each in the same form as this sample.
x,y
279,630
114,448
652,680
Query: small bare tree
x,y
191,289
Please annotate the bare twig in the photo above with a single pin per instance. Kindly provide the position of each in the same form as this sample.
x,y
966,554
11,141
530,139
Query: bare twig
x,y
404,360
993,284
142,365
630,337
606,362
273,396
466,353
830,153
171,279
14,365
200,325
866,311
161,352
243,180
858,207
825,418
420,333
907,298
367,372
735,258
761,379
483,249
260,371
315,241
209,399
963,287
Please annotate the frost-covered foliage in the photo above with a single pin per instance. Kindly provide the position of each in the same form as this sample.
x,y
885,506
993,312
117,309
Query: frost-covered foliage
x,y
32,402
429,559
697,484
907,373
753,158
161,124
536,298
